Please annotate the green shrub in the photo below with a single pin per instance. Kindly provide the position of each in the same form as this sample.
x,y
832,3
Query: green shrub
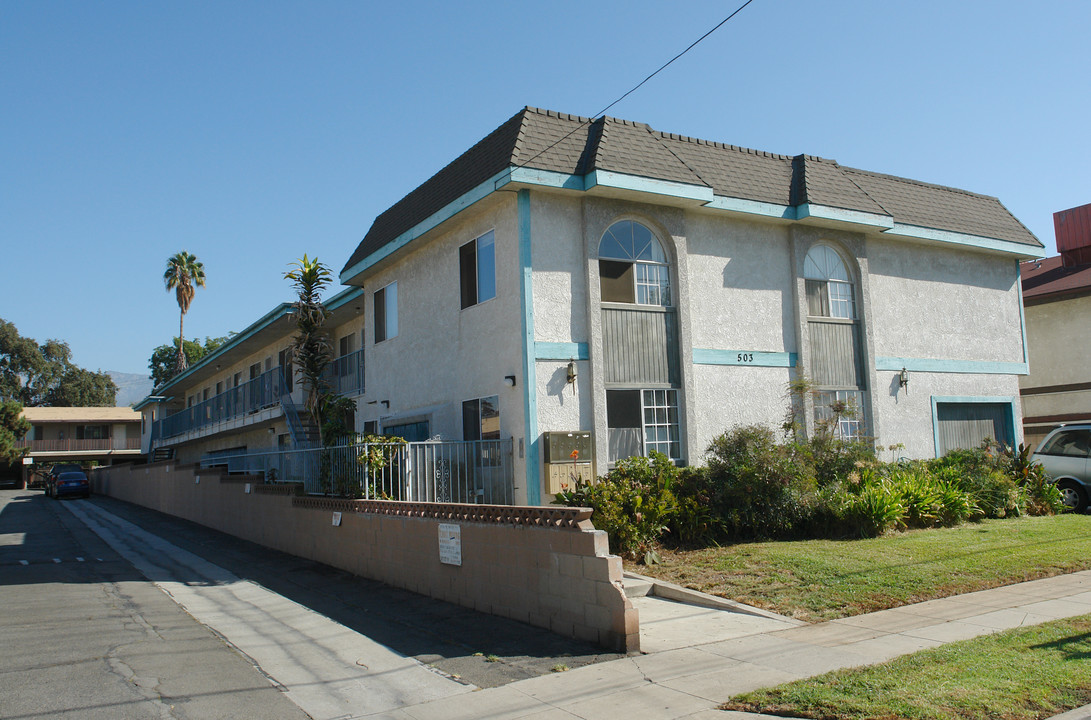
x,y
875,509
633,504
984,476
695,523
1043,497
759,489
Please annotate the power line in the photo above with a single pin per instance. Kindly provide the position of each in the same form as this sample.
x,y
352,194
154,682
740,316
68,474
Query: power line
x,y
637,86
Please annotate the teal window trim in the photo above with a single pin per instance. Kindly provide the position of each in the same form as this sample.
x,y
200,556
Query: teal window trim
x,y
971,399
530,384
940,365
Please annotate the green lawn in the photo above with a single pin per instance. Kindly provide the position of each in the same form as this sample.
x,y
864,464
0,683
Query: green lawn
x,y
819,580
1027,673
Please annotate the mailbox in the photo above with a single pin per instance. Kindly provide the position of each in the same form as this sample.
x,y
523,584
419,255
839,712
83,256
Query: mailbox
x,y
568,459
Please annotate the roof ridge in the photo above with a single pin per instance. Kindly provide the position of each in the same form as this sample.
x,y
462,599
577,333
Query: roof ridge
x,y
919,183
737,148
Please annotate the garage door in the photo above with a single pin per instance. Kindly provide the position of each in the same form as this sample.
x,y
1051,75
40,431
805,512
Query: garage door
x,y
966,425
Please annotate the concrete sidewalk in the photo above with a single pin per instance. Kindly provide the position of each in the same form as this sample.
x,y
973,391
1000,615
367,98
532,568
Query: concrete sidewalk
x,y
691,681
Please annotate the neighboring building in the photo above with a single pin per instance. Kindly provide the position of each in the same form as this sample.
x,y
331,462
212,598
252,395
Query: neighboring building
x,y
97,435
1057,296
655,290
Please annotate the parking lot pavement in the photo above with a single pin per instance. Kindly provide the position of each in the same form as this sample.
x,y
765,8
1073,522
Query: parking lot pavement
x,y
86,636
482,650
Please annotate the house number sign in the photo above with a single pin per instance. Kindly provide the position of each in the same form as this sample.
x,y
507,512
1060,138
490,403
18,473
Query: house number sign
x,y
450,544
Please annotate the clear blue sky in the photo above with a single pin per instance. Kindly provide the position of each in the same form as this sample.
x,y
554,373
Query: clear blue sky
x,y
250,133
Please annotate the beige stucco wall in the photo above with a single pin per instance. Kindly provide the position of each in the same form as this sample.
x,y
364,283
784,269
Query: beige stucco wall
x,y
1058,334
559,578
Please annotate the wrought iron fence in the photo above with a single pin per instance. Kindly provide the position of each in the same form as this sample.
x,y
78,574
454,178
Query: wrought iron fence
x,y
477,471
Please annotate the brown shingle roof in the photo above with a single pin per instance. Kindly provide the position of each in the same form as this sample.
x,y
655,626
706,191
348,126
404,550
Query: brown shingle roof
x,y
1048,278
574,145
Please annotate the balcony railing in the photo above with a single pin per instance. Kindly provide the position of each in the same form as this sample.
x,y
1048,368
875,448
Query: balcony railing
x,y
74,445
261,392
346,374
459,472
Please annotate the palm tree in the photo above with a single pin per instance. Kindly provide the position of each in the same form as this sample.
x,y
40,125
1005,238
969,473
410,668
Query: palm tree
x,y
185,273
311,348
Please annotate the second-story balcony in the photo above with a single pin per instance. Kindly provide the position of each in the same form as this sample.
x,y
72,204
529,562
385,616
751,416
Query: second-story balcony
x,y
75,445
263,393
345,375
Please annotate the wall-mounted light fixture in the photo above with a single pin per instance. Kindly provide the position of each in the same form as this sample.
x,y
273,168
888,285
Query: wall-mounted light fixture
x,y
509,380
272,431
385,403
903,380
570,378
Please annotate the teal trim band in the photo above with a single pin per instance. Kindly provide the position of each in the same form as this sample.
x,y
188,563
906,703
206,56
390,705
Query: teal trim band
x,y
345,296
752,207
530,378
445,213
968,367
282,310
973,399
1022,315
562,351
977,241
621,181
544,178
755,358
856,217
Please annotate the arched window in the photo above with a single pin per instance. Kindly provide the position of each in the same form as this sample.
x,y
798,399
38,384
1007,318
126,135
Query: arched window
x,y
829,286
632,266
836,364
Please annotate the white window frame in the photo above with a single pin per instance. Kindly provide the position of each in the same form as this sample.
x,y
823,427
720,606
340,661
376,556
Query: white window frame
x,y
485,240
656,418
651,276
390,312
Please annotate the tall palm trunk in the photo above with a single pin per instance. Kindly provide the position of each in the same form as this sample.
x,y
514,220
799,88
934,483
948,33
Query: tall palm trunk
x,y
180,362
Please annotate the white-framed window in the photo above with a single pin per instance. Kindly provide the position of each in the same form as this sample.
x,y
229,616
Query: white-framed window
x,y
477,270
830,290
481,418
844,405
661,423
640,421
632,266
386,312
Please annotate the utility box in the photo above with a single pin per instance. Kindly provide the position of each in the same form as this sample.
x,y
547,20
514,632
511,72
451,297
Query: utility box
x,y
568,459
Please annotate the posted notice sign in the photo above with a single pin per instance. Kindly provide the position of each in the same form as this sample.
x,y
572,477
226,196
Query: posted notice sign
x,y
450,544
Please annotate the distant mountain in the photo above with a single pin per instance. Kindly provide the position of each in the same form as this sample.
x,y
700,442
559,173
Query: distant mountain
x,y
131,387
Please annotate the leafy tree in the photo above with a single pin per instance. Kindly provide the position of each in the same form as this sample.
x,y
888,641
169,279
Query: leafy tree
x,y
82,388
163,362
12,428
311,348
184,274
44,375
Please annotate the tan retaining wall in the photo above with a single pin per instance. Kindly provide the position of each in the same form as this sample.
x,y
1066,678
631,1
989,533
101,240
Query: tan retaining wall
x,y
544,566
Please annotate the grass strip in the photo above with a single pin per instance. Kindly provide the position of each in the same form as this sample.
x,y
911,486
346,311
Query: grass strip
x,y
816,580
1021,674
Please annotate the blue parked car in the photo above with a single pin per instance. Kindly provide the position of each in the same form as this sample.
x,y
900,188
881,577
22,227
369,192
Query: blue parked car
x,y
71,482
1065,454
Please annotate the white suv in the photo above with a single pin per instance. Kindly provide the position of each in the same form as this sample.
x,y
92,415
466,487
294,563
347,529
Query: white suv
x,y
1066,456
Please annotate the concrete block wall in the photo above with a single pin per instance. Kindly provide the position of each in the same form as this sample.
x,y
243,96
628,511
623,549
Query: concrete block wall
x,y
534,565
